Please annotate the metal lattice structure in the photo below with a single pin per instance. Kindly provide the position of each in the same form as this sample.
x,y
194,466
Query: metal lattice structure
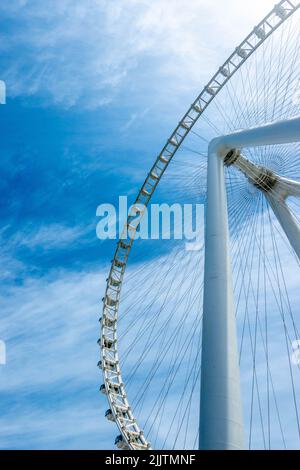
x,y
131,435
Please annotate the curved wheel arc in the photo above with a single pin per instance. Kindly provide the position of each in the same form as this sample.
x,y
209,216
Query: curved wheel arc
x,y
120,412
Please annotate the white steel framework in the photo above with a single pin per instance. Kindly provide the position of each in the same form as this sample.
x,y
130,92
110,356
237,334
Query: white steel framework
x,y
131,435
221,423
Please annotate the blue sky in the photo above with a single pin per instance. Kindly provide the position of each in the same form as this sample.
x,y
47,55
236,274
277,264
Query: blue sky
x,y
94,88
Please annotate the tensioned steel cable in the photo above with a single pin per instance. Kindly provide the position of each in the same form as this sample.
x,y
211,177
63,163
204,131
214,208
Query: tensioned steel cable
x,y
162,301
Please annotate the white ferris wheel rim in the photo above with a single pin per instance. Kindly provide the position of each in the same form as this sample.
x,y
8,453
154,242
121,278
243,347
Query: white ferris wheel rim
x,y
132,436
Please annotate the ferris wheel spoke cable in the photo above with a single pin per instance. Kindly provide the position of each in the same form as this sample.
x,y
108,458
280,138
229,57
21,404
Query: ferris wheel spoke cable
x,y
173,371
274,278
159,267
285,330
167,294
264,337
179,401
254,374
153,302
145,350
279,271
253,351
252,175
242,277
159,281
175,367
158,337
183,317
160,401
129,326
179,255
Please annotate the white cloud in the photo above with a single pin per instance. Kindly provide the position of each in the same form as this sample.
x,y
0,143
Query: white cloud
x,y
51,236
49,385
45,238
50,326
133,119
77,53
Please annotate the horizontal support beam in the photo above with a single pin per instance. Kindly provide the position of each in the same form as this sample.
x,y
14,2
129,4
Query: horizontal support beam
x,y
280,132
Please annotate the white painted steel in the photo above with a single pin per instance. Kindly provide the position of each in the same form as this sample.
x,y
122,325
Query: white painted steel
x,y
221,422
287,221
281,132
132,435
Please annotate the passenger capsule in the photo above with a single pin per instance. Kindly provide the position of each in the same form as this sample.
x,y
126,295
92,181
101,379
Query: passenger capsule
x,y
119,264
114,282
109,322
120,443
108,343
110,302
109,415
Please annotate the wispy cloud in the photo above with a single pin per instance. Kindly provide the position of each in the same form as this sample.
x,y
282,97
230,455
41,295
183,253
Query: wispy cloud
x,y
49,386
138,56
133,119
53,236
85,52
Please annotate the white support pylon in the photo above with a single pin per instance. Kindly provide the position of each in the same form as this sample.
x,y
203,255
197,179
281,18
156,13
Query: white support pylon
x,y
287,221
221,422
276,188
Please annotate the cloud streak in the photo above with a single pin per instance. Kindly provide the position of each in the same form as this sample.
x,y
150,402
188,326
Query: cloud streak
x,y
49,386
86,53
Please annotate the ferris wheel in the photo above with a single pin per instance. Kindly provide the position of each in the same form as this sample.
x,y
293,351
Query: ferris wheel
x,y
212,332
